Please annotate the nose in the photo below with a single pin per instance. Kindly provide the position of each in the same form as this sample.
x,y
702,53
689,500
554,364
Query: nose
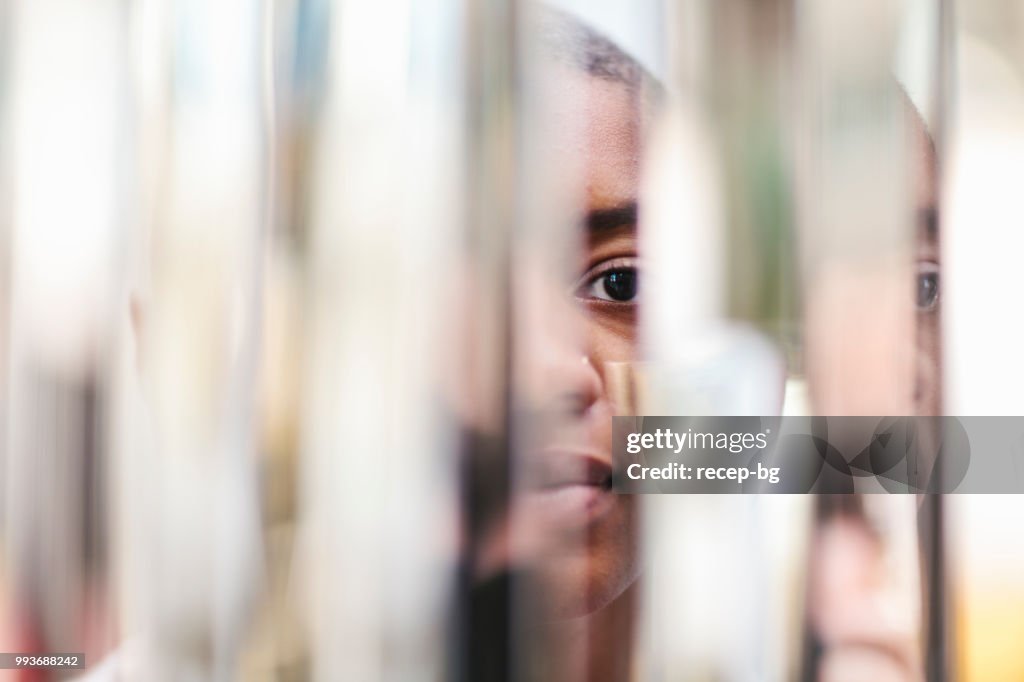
x,y
575,384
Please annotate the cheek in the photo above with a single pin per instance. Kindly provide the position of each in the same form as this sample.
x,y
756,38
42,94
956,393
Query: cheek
x,y
612,335
611,345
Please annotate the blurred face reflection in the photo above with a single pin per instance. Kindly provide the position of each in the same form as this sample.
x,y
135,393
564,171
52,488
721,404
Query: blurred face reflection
x,y
872,334
927,279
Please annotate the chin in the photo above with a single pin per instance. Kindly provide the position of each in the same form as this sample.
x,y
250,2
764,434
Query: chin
x,y
582,591
587,573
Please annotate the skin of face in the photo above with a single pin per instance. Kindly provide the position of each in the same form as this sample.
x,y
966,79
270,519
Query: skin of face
x,y
871,341
924,170
578,543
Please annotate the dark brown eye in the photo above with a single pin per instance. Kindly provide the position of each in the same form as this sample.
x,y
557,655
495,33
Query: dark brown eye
x,y
619,285
927,286
616,280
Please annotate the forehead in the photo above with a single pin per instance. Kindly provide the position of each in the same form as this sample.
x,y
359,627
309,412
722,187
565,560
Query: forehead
x,y
595,129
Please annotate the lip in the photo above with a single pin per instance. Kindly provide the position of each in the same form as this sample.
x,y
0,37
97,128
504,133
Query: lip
x,y
573,488
565,468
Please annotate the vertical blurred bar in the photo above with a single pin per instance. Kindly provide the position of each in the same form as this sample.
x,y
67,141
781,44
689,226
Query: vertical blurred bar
x,y
984,364
378,476
63,107
491,69
545,203
984,214
857,219
722,576
295,36
489,202
855,210
933,516
189,546
6,229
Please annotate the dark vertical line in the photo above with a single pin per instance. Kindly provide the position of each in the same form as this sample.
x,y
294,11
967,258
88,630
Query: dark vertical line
x,y
939,656
482,632
936,636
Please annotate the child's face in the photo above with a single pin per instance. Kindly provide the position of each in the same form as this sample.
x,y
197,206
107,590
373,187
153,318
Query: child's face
x,y
573,535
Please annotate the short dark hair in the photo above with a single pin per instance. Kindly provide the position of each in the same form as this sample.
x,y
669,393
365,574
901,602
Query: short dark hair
x,y
577,44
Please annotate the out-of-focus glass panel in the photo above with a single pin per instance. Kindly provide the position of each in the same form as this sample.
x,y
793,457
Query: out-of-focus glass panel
x,y
721,328
378,511
981,239
62,101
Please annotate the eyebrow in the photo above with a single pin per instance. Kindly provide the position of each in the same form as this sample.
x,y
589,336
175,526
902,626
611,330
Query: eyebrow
x,y
602,220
